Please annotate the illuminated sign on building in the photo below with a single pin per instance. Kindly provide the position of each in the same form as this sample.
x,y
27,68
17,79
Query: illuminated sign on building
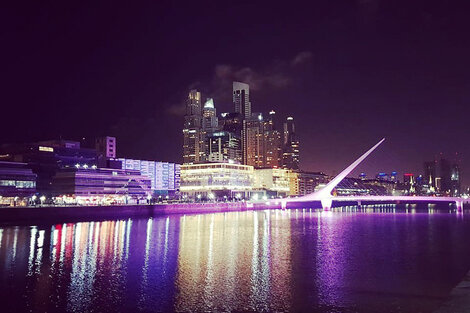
x,y
46,149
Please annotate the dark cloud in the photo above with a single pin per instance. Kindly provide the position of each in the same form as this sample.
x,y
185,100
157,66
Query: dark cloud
x,y
275,75
302,58
257,79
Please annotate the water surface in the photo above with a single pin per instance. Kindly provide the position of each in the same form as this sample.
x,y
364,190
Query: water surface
x,y
298,260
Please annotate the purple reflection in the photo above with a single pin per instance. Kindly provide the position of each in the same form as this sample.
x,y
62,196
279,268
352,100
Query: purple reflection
x,y
384,259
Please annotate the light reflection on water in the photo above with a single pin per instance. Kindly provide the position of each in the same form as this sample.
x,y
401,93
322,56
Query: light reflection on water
x,y
377,259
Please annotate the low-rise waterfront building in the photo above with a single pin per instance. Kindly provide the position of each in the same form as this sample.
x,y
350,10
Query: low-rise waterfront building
x,y
213,181
273,179
46,158
85,185
164,176
354,186
308,181
17,183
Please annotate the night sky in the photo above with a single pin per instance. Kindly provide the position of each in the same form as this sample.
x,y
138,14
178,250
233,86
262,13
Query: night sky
x,y
349,72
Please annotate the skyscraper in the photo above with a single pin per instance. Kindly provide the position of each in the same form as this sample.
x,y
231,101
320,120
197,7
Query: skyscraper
x,y
445,175
289,129
241,99
232,123
430,175
223,146
209,116
272,143
193,135
253,141
291,151
455,180
449,177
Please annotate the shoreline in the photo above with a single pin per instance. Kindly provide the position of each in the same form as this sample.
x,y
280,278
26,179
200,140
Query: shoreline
x,y
22,215
10,216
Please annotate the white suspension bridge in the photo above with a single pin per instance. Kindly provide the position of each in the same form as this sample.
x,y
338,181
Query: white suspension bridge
x,y
326,197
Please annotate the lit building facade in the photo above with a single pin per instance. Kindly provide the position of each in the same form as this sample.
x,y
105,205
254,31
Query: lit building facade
x,y
449,178
294,183
79,184
429,178
223,146
409,183
382,176
356,186
193,134
241,99
272,143
308,181
273,179
430,173
17,183
46,158
216,180
291,151
455,180
209,116
233,124
164,176
253,141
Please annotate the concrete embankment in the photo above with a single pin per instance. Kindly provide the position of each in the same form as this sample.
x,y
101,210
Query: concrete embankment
x,y
22,215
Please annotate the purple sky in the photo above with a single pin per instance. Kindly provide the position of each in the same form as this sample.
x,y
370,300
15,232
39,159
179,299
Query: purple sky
x,y
349,72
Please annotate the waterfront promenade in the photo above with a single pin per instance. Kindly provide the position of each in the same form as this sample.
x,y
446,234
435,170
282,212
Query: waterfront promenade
x,y
12,215
64,213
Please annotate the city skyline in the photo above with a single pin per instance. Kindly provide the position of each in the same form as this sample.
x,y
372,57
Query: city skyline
x,y
195,103
368,79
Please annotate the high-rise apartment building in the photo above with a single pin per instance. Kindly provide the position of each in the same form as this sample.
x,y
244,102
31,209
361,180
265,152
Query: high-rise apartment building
x,y
209,116
224,146
241,99
193,134
290,155
232,122
272,143
231,125
253,141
